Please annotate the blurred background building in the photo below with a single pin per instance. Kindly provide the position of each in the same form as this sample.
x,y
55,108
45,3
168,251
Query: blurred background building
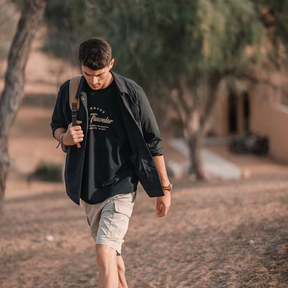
x,y
263,110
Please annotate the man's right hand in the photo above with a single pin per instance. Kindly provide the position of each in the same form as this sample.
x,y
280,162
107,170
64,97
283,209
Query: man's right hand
x,y
73,135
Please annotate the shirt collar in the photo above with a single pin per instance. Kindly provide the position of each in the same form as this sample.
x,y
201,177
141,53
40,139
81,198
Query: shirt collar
x,y
118,81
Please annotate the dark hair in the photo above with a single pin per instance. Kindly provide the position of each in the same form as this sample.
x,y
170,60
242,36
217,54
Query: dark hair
x,y
95,53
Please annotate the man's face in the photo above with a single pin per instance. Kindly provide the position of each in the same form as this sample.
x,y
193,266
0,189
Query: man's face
x,y
98,79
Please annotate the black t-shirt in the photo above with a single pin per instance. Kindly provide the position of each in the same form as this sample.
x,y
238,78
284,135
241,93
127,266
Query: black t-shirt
x,y
108,170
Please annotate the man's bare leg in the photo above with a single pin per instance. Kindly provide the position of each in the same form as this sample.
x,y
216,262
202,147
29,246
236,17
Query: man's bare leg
x,y
107,266
121,272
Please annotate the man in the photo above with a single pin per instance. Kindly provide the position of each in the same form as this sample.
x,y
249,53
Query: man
x,y
119,140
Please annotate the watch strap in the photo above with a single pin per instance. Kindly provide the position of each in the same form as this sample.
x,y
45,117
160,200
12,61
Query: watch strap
x,y
167,188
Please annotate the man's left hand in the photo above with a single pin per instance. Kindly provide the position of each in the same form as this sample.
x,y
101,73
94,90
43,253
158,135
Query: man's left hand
x,y
163,204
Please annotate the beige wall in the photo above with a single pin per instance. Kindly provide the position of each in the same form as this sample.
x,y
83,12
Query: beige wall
x,y
267,116
271,118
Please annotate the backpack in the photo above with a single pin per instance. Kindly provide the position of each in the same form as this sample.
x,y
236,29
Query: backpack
x,y
73,102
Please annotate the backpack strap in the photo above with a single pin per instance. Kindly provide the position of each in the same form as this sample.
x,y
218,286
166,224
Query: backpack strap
x,y
73,88
73,101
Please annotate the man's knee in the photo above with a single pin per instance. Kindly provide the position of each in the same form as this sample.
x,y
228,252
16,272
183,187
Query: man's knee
x,y
105,256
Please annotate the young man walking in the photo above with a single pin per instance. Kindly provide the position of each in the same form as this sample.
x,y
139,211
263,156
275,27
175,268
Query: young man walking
x,y
119,146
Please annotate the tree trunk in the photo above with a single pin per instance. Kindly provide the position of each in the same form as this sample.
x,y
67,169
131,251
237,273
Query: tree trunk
x,y
31,17
196,163
195,132
195,118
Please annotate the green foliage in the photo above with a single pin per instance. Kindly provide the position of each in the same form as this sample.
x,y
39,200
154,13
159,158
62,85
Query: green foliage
x,y
156,39
273,14
161,40
69,22
226,28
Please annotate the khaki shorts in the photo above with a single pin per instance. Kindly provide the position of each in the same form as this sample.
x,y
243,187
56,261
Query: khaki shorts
x,y
108,221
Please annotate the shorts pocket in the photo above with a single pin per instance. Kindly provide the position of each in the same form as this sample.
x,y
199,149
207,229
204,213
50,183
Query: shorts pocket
x,y
123,208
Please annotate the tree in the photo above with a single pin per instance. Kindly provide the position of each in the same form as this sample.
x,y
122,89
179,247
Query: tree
x,y
186,48
182,50
31,16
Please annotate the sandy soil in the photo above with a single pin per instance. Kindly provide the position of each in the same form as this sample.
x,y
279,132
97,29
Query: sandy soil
x,y
216,235
220,234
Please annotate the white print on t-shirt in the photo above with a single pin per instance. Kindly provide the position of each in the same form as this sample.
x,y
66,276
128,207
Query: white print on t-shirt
x,y
95,119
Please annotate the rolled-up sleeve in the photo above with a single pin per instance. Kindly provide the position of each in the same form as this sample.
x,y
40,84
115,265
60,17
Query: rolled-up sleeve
x,y
58,118
149,125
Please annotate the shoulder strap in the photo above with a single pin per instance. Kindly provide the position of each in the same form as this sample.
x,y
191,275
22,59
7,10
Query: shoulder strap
x,y
73,88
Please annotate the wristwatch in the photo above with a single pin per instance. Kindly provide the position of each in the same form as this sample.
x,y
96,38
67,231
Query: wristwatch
x,y
167,188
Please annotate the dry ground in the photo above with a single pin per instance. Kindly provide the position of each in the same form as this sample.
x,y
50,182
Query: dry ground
x,y
221,234
216,235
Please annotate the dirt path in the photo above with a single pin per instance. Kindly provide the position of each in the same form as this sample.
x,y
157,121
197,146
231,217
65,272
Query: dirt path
x,y
220,235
